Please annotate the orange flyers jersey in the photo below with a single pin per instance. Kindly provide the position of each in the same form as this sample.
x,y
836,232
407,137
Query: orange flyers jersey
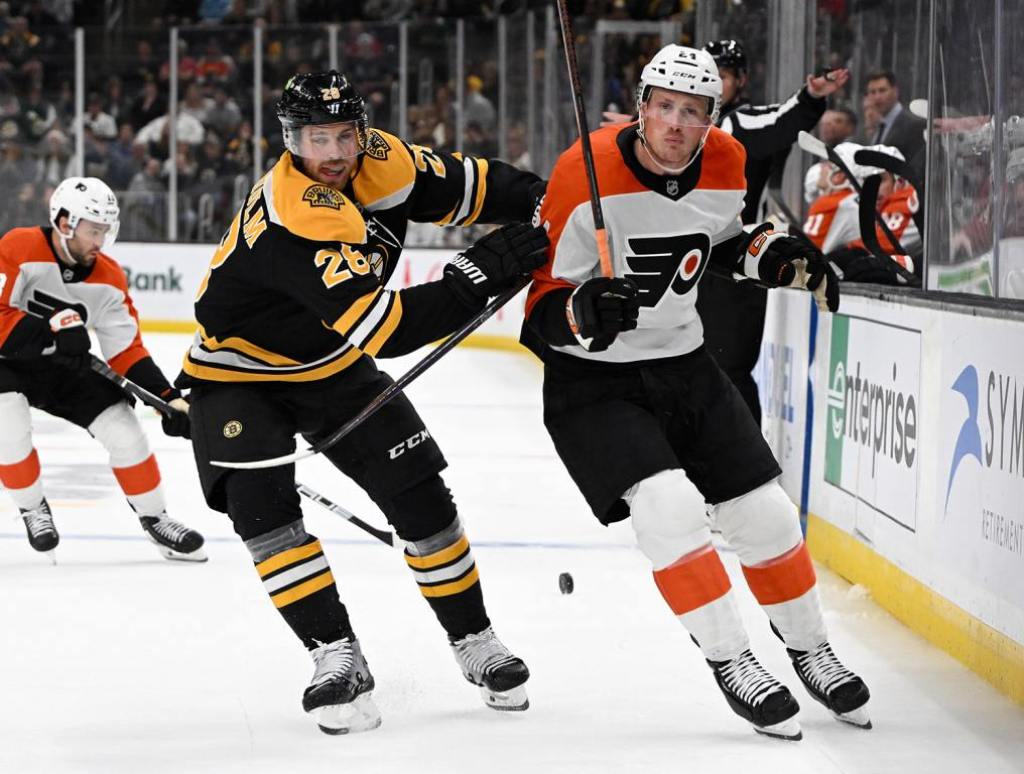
x,y
662,229
833,220
898,210
33,283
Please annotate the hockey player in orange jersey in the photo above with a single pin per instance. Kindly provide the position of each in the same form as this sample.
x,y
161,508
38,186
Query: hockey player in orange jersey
x,y
648,425
54,282
833,220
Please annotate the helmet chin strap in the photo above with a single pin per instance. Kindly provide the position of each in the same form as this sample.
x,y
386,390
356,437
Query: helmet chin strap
x,y
63,238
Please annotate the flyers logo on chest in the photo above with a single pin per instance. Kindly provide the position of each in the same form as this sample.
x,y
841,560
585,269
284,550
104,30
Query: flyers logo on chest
x,y
657,263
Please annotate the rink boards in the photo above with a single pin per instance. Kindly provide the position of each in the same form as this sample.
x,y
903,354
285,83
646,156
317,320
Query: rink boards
x,y
899,424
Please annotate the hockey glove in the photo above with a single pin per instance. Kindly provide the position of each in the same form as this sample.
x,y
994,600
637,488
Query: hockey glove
x,y
496,262
782,260
602,308
70,339
176,424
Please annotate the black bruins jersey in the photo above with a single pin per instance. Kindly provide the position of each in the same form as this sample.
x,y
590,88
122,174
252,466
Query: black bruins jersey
x,y
295,290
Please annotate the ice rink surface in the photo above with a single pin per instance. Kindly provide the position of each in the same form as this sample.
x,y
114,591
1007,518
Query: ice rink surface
x,y
116,660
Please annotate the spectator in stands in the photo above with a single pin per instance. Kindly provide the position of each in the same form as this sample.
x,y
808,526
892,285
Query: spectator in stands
x,y
123,158
477,142
101,123
148,105
479,109
65,103
114,100
21,48
240,147
15,167
38,115
517,148
223,115
39,17
155,134
144,207
5,17
54,163
214,66
195,103
27,208
897,126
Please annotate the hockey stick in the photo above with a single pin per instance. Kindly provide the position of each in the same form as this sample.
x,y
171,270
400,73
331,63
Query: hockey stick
x,y
816,147
388,538
163,406
568,42
387,395
130,387
895,166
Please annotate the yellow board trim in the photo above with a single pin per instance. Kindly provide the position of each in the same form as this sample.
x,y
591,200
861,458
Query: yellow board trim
x,y
303,590
291,556
447,589
979,647
457,548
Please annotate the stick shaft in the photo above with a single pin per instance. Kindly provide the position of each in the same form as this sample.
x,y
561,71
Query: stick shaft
x,y
383,536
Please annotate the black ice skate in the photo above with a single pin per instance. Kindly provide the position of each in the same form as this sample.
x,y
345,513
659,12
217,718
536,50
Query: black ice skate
x,y
757,697
338,696
42,534
487,663
829,682
174,540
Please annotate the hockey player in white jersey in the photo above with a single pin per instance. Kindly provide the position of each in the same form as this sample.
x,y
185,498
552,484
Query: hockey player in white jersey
x,y
647,424
55,281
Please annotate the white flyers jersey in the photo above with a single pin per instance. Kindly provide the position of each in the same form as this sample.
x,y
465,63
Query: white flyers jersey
x,y
33,283
662,229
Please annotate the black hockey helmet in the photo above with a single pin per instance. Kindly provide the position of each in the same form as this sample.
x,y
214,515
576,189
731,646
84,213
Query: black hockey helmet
x,y
311,99
728,53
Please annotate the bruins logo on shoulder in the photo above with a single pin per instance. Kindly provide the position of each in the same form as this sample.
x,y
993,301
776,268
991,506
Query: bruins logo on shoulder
x,y
376,146
323,196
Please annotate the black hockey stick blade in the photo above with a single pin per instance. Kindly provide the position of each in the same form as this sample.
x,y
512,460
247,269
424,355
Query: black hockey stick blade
x,y
387,395
388,538
866,212
873,158
130,387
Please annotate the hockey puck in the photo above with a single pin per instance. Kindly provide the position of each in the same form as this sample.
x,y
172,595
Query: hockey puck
x,y
565,584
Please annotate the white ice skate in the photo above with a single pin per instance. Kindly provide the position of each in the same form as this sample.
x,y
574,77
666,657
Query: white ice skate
x,y
173,539
487,663
338,696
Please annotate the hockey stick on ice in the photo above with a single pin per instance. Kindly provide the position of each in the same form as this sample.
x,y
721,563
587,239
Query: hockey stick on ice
x,y
163,406
816,147
388,538
568,42
387,395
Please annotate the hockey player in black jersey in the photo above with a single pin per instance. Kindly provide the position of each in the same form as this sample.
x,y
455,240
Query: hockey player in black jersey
x,y
291,314
645,421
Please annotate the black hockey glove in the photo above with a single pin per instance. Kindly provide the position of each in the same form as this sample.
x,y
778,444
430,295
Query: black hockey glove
x,y
496,262
602,308
71,339
787,261
177,424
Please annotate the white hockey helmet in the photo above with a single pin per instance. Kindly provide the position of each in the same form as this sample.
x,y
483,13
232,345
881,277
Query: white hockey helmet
x,y
684,69
847,150
86,198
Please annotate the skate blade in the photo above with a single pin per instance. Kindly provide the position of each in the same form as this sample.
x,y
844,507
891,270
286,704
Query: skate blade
x,y
514,700
360,714
52,556
858,718
199,555
787,730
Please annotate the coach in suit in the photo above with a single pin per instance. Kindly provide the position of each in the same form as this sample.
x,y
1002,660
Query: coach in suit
x,y
898,126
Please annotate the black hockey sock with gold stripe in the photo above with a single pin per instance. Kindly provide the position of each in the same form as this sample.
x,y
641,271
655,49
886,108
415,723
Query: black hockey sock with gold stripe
x,y
298,579
444,568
